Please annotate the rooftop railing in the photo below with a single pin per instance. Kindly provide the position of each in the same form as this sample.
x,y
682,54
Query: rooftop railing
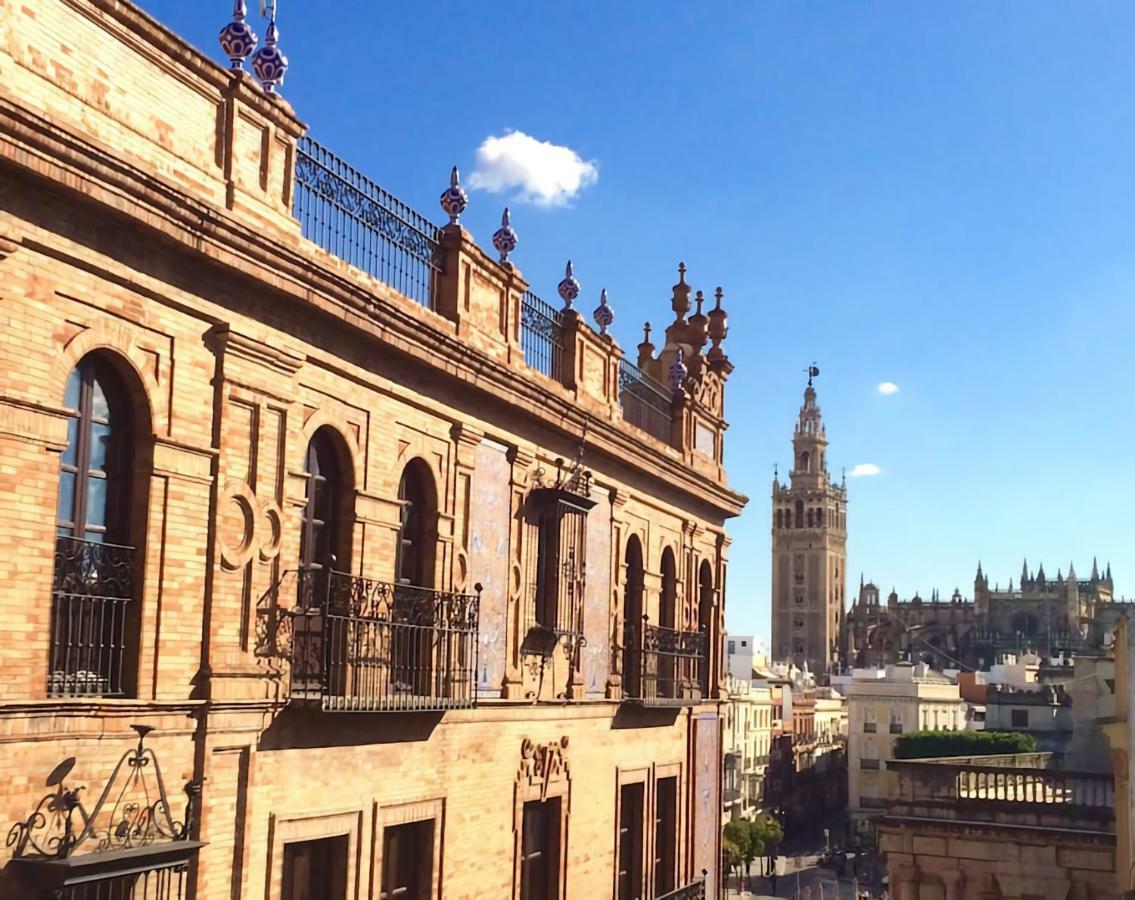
x,y
646,403
542,336
353,218
996,792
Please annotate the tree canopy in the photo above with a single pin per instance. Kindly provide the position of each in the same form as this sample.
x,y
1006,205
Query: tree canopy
x,y
921,744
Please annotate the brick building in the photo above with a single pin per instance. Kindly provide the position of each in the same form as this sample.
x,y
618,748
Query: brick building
x,y
411,578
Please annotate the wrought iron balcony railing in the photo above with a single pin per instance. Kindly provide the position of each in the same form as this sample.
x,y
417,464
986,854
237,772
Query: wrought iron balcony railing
x,y
646,404
695,890
350,216
360,645
542,336
664,666
90,604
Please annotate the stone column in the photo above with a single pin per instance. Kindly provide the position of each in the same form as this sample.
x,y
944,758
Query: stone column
x,y
954,882
905,881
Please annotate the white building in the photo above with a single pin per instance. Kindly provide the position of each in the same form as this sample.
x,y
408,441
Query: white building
x,y
883,704
749,718
742,653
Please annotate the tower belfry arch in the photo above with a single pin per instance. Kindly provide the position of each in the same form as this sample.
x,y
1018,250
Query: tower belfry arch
x,y
809,546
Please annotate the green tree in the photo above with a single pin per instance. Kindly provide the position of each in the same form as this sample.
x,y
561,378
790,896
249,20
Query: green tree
x,y
735,840
922,744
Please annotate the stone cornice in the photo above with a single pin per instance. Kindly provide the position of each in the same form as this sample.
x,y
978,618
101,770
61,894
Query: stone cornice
x,y
296,268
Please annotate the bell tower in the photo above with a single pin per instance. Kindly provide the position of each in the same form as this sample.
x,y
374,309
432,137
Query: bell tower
x,y
809,548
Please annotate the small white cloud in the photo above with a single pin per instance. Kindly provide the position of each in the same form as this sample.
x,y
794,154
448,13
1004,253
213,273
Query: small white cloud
x,y
864,469
888,387
541,173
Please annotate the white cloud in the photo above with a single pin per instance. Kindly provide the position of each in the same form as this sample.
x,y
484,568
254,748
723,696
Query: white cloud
x,y
864,469
540,172
888,387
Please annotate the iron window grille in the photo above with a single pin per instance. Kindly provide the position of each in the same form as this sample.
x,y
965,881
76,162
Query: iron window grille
x,y
670,665
356,644
90,603
556,543
351,217
646,404
542,336
127,845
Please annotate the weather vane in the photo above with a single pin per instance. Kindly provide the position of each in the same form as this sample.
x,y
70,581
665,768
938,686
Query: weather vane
x,y
812,370
268,9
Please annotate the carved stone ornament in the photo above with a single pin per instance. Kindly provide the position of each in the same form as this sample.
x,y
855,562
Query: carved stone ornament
x,y
543,765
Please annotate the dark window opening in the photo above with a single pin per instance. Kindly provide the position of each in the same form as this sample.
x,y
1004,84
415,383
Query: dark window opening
x,y
407,861
418,527
540,850
321,547
315,870
1019,718
630,842
665,835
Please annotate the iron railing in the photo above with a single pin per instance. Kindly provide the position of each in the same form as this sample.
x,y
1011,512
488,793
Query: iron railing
x,y
353,218
542,336
363,645
90,603
646,403
695,890
663,666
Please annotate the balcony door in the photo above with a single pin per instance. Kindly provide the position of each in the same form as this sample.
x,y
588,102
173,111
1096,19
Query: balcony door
x,y
414,599
93,615
323,599
632,620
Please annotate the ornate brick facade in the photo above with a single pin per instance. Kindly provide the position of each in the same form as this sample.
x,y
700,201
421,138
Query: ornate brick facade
x,y
321,485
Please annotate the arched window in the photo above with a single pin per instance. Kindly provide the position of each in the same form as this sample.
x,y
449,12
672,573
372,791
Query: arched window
x,y
809,518
705,619
324,536
417,534
779,518
94,633
820,517
799,513
632,619
667,601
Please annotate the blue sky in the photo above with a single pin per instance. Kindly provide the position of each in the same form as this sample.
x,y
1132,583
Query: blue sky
x,y
937,195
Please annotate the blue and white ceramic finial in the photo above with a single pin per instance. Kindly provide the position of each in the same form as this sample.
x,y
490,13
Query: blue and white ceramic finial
x,y
269,64
238,40
678,374
505,239
569,287
454,199
604,314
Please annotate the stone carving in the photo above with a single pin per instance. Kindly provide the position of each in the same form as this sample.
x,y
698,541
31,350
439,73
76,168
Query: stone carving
x,y
543,765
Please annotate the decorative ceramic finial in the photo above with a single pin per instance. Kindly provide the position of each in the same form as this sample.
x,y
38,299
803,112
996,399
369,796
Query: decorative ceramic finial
x,y
678,374
453,199
680,302
604,315
504,239
569,287
238,40
269,64
718,328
